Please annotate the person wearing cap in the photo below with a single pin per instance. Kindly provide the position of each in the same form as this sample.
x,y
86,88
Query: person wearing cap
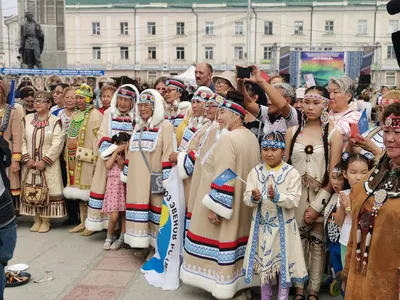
x,y
42,144
185,157
11,130
118,118
224,82
219,228
146,170
299,98
175,103
81,153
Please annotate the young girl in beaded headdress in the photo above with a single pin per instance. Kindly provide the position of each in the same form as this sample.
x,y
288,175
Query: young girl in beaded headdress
x,y
274,247
314,148
115,195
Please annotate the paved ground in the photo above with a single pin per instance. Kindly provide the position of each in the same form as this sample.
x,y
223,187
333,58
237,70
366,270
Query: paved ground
x,y
82,270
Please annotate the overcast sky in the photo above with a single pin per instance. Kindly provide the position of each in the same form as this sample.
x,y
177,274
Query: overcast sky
x,y
9,7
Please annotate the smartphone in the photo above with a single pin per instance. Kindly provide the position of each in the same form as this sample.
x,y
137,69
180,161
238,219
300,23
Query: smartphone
x,y
243,72
354,130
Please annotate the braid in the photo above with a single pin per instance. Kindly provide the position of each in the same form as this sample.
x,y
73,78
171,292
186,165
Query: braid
x,y
296,134
326,154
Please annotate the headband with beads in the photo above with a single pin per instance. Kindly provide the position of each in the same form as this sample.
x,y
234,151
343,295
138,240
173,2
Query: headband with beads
x,y
202,96
392,121
43,98
316,97
126,94
175,83
147,98
233,107
272,144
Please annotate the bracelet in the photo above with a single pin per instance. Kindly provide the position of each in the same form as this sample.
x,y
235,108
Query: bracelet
x,y
348,209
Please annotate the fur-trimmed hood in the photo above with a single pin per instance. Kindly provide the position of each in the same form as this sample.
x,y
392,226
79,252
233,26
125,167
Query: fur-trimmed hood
x,y
113,104
158,110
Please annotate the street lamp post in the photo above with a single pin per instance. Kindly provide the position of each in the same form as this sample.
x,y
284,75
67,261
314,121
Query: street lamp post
x,y
248,31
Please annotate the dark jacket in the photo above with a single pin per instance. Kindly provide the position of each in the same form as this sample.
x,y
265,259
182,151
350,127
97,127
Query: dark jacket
x,y
7,212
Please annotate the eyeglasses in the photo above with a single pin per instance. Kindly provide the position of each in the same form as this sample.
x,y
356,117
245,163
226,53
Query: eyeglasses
x,y
40,101
220,82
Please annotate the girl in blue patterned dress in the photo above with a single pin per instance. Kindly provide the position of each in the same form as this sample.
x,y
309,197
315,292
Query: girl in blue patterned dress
x,y
274,249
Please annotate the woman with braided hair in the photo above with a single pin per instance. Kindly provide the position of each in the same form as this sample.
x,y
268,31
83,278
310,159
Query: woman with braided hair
x,y
312,145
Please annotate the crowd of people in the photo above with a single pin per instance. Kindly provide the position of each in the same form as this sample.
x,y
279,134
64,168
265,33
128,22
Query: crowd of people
x,y
100,157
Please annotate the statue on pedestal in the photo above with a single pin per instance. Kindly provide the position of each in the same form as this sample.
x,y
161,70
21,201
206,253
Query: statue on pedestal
x,y
32,42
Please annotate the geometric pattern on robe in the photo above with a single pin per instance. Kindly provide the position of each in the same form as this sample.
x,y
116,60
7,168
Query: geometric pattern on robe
x,y
214,254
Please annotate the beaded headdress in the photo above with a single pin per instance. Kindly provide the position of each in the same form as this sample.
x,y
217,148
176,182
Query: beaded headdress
x,y
126,94
86,91
179,85
325,101
203,94
147,97
273,139
392,122
233,107
43,97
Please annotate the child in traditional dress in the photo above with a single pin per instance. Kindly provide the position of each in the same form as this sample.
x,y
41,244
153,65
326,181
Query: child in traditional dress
x,y
115,194
274,248
355,168
331,228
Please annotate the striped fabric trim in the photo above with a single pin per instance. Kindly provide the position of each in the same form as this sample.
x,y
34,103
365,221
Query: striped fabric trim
x,y
148,142
189,162
104,145
104,139
138,213
187,221
155,214
166,169
187,136
125,170
223,253
47,160
175,121
96,200
222,195
25,157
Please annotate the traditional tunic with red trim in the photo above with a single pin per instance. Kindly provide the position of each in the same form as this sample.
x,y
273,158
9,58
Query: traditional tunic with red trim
x,y
44,140
143,209
111,125
213,254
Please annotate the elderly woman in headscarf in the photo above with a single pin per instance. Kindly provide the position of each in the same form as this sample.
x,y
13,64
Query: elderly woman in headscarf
x,y
11,130
81,152
147,167
119,118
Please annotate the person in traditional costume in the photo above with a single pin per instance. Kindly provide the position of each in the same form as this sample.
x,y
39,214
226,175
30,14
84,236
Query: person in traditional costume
x,y
341,92
175,103
119,118
147,168
274,249
219,228
372,140
185,158
372,260
81,153
313,150
199,185
42,143
11,130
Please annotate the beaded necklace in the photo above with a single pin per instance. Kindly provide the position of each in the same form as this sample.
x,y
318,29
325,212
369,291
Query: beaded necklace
x,y
76,122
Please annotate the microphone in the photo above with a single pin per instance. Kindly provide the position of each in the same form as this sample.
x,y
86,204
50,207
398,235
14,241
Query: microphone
x,y
393,7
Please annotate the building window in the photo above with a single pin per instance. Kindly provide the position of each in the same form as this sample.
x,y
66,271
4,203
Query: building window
x,y
152,77
238,52
267,52
298,49
362,26
393,26
123,28
180,53
151,28
298,27
180,28
209,28
390,78
124,52
96,28
209,54
96,52
329,27
268,28
328,49
238,28
390,52
152,53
